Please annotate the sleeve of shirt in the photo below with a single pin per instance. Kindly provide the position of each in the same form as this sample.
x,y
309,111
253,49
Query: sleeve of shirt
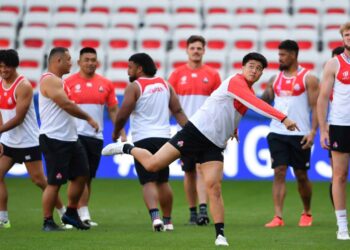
x,y
243,94
111,98
173,80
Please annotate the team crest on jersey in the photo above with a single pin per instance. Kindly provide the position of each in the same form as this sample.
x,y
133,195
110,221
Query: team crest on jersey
x,y
59,176
296,87
205,80
100,89
27,157
335,144
180,144
89,84
9,101
183,80
77,87
5,93
288,81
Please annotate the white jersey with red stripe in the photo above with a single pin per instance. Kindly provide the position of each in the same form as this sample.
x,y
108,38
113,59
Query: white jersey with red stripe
x,y
340,106
219,116
27,133
55,122
91,95
291,98
193,86
151,115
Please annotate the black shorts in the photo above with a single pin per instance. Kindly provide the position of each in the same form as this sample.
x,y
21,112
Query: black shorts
x,y
65,160
152,145
20,155
192,143
286,150
339,137
188,164
93,148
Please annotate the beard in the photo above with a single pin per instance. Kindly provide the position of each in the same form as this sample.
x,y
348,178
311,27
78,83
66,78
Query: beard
x,y
132,78
283,67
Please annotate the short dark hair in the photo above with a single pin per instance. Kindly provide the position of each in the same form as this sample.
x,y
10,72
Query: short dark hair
x,y
337,51
146,62
57,50
289,45
9,57
195,38
255,56
87,50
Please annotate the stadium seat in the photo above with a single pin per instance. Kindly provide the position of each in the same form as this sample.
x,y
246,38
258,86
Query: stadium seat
x,y
333,21
37,19
158,20
185,6
247,21
33,37
180,36
33,76
245,7
125,20
216,60
217,39
187,20
331,39
307,6
62,37
130,6
119,38
305,21
90,37
94,20
310,60
159,58
98,6
156,7
276,21
272,59
119,78
306,39
274,6
176,58
234,61
9,19
41,6
12,6
118,59
151,39
68,6
335,6
270,39
217,7
66,19
7,37
244,39
31,58
219,21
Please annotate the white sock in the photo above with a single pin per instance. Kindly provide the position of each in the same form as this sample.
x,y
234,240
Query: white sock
x,y
342,220
84,213
61,211
4,216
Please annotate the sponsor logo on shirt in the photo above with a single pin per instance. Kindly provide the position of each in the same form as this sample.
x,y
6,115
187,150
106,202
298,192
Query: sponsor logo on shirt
x,y
27,157
183,80
89,84
335,144
59,176
194,75
180,144
346,75
205,80
9,101
100,89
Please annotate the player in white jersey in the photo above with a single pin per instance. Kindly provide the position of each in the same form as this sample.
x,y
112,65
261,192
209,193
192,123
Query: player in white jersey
x,y
19,130
336,134
64,156
206,134
148,101
193,82
91,92
294,92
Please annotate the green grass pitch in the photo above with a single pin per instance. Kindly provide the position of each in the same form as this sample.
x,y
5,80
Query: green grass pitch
x,y
124,222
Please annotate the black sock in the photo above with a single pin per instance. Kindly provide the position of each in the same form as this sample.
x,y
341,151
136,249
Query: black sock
x,y
166,220
127,148
50,218
331,194
203,208
193,211
71,211
154,213
219,228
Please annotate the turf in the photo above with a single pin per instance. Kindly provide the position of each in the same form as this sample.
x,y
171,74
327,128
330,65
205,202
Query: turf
x,y
124,223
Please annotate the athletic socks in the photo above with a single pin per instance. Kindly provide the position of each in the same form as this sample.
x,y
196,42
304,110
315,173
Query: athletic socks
x,y
154,213
61,211
219,229
127,148
4,216
84,213
193,211
342,220
166,220
203,208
